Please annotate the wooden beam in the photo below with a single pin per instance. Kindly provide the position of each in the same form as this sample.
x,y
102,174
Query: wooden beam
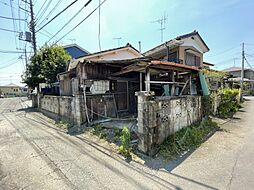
x,y
185,85
165,82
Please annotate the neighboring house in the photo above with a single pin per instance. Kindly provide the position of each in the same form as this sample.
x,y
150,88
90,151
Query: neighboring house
x,y
186,49
235,77
125,52
12,90
75,51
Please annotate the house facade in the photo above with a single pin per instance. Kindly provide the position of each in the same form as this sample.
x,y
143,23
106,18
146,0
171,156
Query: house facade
x,y
12,90
235,78
186,49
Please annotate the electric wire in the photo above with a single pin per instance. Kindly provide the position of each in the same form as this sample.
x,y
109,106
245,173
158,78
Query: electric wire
x,y
78,12
14,24
43,12
99,29
81,21
225,51
58,14
9,18
10,51
248,62
41,8
50,13
8,30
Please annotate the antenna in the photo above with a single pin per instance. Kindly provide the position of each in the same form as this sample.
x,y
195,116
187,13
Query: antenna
x,y
162,22
73,40
118,40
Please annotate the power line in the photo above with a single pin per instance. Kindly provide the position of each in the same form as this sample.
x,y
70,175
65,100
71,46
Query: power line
x,y
99,32
78,12
81,22
43,12
248,62
10,51
225,51
12,63
52,10
9,18
42,7
58,14
14,24
7,30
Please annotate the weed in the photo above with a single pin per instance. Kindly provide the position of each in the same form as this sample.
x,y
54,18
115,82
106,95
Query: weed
x,y
125,142
187,138
64,125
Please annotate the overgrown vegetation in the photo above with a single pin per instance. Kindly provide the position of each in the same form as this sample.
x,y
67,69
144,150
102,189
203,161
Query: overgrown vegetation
x,y
230,103
125,142
44,66
214,73
121,137
187,138
111,135
64,125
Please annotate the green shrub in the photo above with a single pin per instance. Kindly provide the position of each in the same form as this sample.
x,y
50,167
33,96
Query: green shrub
x,y
230,103
125,142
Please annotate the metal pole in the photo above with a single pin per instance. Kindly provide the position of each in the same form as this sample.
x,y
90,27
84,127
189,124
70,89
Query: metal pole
x,y
32,26
242,74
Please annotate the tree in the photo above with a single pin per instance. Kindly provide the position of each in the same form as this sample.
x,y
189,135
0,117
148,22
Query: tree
x,y
44,66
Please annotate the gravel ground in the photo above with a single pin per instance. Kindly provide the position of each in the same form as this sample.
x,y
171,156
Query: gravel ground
x,y
34,154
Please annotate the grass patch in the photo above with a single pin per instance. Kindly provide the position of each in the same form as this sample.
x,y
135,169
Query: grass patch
x,y
64,125
187,138
111,135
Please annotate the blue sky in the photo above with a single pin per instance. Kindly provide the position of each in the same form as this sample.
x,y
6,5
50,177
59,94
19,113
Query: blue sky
x,y
224,25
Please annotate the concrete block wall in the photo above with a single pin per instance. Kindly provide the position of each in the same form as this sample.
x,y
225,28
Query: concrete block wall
x,y
63,107
158,117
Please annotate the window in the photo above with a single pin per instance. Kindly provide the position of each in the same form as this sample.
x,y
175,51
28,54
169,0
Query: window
x,y
192,60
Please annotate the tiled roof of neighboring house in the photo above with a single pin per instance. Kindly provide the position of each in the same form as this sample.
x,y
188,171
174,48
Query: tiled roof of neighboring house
x,y
10,85
231,69
96,55
113,49
176,41
234,69
75,51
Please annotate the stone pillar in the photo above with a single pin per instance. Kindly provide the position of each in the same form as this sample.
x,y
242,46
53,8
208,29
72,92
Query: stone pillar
x,y
146,122
76,104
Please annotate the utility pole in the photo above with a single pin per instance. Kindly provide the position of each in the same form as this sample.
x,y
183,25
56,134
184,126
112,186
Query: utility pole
x,y
32,26
242,73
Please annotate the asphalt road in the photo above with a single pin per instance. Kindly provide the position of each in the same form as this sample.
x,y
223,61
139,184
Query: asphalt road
x,y
34,154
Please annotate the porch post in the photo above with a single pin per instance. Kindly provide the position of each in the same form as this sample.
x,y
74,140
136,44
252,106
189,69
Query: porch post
x,y
140,81
173,85
147,79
